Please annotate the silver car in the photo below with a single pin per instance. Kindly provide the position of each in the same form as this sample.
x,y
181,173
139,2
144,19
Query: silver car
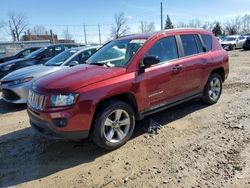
x,y
15,86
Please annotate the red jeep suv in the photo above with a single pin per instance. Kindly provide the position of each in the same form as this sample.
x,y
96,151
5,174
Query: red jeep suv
x,y
126,80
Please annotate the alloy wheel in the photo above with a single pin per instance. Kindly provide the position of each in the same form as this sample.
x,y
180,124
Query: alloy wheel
x,y
214,89
116,126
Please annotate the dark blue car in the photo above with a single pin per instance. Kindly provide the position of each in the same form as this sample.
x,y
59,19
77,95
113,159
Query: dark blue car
x,y
21,54
39,56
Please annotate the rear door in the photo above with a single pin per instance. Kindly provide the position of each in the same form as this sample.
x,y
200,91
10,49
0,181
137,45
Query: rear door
x,y
196,61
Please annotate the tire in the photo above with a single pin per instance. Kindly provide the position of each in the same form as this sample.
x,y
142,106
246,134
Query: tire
x,y
213,89
108,133
234,47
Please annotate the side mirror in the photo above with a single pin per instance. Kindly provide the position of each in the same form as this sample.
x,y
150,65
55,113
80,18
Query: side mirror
x,y
73,63
148,61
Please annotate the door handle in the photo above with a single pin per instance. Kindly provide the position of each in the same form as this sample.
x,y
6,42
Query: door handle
x,y
177,68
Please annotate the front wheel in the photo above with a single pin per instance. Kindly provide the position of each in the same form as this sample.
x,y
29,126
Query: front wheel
x,y
234,47
113,125
213,89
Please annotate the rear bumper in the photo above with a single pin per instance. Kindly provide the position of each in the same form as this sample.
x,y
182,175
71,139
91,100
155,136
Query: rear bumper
x,y
46,129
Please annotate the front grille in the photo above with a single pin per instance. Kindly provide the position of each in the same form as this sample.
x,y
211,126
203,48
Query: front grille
x,y
9,95
36,100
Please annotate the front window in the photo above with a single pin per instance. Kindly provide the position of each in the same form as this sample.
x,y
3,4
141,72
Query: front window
x,y
35,53
116,53
61,58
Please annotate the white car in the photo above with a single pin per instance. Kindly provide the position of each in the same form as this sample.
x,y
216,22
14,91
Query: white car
x,y
233,42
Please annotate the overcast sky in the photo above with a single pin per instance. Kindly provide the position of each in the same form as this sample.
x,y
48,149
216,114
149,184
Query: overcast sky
x,y
60,14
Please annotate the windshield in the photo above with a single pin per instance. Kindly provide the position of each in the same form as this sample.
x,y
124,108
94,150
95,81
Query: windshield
x,y
35,53
116,53
61,58
230,39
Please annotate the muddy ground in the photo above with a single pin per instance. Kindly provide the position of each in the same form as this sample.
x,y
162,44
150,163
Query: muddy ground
x,y
197,146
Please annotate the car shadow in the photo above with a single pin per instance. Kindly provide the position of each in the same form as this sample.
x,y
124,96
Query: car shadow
x,y
26,156
6,107
167,116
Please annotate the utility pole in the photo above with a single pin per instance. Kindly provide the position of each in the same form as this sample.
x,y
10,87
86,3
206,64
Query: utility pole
x,y
85,37
161,18
142,27
52,37
99,30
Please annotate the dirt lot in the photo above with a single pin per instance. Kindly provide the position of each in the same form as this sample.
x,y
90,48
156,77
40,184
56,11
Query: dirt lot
x,y
197,146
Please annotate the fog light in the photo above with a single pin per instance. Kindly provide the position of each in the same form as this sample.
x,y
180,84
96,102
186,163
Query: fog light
x,y
60,122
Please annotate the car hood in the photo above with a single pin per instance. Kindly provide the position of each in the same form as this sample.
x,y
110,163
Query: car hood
x,y
31,71
13,61
73,78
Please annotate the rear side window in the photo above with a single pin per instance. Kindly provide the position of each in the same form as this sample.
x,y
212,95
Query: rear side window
x,y
189,45
165,49
208,41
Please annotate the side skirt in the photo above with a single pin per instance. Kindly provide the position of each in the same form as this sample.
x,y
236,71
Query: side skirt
x,y
165,106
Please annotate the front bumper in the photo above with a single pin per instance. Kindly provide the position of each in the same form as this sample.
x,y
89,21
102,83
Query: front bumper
x,y
17,94
47,129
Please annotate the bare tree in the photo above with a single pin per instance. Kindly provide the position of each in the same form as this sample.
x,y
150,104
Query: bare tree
x,y
120,27
195,23
181,25
2,24
67,35
39,30
208,25
245,23
17,24
146,27
233,26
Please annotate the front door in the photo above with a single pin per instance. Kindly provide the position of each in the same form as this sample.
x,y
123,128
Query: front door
x,y
161,83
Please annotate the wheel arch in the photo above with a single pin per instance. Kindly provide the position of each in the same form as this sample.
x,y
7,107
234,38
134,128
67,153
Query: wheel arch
x,y
219,71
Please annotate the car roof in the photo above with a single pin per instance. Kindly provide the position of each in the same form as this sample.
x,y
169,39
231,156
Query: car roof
x,y
85,47
149,35
233,36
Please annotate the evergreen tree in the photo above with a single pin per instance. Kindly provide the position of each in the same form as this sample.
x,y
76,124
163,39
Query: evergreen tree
x,y
168,23
217,29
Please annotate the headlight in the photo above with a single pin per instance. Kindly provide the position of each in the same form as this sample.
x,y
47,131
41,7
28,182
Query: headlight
x,y
7,67
20,81
63,100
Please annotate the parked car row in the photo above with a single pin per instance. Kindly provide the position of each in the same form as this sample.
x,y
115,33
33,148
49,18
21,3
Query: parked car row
x,y
234,42
16,85
39,56
111,87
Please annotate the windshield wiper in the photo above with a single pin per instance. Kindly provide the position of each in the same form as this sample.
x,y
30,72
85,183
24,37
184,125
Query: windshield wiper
x,y
100,64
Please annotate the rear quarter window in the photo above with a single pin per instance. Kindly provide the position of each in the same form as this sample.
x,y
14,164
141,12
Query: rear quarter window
x,y
207,39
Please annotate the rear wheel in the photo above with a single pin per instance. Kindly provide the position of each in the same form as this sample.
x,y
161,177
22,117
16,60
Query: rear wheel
x,y
113,125
213,89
